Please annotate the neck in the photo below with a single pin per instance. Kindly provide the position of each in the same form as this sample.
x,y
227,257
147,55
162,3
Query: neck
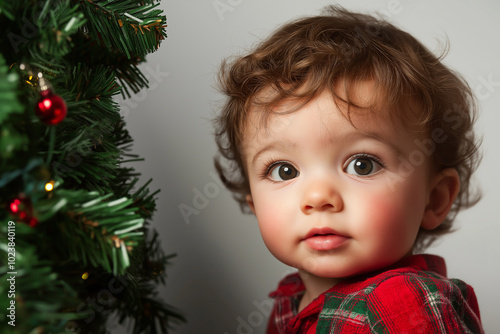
x,y
314,286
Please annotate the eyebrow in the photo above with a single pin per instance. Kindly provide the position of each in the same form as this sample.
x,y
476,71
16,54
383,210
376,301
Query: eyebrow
x,y
369,135
286,145
283,145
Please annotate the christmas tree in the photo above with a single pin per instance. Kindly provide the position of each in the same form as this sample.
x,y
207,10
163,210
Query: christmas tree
x,y
76,246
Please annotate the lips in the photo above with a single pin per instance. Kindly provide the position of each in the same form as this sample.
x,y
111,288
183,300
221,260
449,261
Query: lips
x,y
324,238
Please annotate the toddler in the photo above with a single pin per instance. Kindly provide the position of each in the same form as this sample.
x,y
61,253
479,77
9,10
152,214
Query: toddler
x,y
353,145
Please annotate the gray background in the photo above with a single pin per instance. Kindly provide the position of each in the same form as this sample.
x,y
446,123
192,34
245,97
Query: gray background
x,y
223,272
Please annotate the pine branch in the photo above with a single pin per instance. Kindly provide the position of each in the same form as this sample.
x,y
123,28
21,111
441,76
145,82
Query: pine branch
x,y
140,306
6,9
44,35
92,227
11,140
85,147
55,26
42,298
139,27
106,230
8,92
126,71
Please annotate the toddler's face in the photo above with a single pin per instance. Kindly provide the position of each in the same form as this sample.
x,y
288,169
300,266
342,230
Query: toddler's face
x,y
332,199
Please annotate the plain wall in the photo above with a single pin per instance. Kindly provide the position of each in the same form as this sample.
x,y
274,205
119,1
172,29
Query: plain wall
x,y
223,272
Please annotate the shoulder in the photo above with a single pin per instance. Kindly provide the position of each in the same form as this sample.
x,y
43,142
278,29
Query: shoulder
x,y
421,277
416,282
413,296
427,287
423,300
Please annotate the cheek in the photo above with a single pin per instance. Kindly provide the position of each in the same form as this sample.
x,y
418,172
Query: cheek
x,y
380,214
272,230
394,220
268,223
275,225
269,219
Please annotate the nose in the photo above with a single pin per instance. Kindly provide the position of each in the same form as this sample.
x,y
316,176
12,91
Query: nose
x,y
321,196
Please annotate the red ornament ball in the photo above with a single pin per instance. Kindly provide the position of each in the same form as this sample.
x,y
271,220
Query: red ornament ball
x,y
50,108
22,209
32,221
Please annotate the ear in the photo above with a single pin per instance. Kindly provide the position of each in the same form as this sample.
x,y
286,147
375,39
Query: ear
x,y
445,187
250,203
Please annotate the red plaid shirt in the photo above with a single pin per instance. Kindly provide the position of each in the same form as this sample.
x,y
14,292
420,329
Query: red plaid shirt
x,y
412,296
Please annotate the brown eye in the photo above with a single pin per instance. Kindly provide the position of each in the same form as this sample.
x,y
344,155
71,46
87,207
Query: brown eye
x,y
362,166
283,172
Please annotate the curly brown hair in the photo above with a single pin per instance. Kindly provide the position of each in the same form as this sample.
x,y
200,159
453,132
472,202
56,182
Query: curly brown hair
x,y
314,54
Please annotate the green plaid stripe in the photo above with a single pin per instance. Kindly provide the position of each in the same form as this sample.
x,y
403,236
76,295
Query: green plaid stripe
x,y
341,310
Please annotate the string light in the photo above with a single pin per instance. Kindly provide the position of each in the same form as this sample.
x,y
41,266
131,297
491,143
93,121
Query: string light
x,y
85,275
49,186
